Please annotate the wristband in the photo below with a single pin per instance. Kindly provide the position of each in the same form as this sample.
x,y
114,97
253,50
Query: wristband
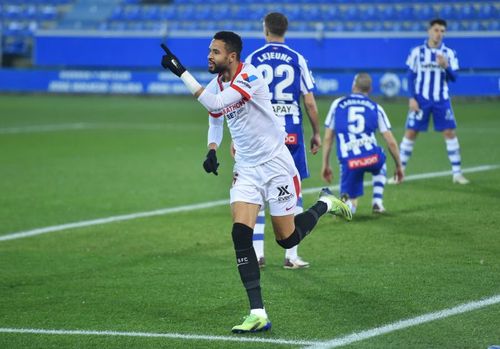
x,y
191,83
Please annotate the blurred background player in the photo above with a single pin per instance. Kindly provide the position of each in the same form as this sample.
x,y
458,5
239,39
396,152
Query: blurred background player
x,y
353,120
431,66
288,77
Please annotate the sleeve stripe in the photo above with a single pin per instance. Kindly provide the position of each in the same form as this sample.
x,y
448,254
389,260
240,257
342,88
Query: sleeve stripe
x,y
241,91
215,115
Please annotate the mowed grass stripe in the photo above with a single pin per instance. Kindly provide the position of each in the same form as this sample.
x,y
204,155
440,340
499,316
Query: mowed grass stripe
x,y
402,324
334,343
210,204
240,339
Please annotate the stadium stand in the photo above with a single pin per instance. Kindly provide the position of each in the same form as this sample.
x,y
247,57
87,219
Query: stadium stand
x,y
20,19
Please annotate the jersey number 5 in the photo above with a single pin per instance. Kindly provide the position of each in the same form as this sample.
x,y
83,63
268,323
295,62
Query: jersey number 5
x,y
356,120
282,70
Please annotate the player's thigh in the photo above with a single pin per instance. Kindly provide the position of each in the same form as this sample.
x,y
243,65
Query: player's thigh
x,y
444,118
379,168
245,213
246,196
282,191
351,181
283,226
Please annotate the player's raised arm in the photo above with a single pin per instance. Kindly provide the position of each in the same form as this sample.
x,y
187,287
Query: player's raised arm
x,y
171,62
212,102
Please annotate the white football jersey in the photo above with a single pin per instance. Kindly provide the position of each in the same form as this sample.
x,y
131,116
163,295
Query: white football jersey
x,y
245,103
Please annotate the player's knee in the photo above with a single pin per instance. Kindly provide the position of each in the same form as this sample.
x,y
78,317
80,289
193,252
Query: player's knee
x,y
290,241
242,236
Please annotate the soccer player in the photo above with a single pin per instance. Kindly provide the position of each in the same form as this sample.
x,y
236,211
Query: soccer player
x,y
263,169
286,73
354,120
431,66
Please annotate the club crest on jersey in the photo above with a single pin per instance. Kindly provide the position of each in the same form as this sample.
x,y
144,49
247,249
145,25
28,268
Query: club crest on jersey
x,y
248,78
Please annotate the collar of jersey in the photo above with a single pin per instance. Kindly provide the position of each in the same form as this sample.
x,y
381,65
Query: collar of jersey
x,y
426,43
219,77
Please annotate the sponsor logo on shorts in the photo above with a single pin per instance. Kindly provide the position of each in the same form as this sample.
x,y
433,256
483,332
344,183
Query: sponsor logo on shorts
x,y
362,162
284,194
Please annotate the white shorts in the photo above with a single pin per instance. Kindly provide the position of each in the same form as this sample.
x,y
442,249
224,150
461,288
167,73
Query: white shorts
x,y
276,182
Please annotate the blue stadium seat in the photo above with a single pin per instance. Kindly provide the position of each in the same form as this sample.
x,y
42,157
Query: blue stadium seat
x,y
466,11
368,13
423,12
330,13
13,12
387,12
16,46
132,13
335,26
487,11
150,13
48,13
404,12
493,25
117,14
453,26
167,12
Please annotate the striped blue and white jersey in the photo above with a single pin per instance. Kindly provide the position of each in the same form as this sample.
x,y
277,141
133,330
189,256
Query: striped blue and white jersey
x,y
355,120
288,77
430,80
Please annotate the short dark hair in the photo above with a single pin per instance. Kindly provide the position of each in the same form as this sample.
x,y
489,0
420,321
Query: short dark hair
x,y
276,23
439,21
231,40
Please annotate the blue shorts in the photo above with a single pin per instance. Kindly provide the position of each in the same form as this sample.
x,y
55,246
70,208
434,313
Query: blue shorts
x,y
442,114
295,144
352,172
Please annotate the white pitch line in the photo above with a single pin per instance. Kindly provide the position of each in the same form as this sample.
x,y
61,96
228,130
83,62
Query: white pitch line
x,y
43,128
158,335
80,126
378,331
126,217
209,204
334,343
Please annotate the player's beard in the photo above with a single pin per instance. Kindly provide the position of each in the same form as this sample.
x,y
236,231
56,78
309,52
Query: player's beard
x,y
217,68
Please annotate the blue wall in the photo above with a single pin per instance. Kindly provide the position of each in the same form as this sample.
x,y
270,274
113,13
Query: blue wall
x,y
163,82
329,53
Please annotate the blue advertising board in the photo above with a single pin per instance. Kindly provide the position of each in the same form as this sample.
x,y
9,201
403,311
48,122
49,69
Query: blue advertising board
x,y
162,82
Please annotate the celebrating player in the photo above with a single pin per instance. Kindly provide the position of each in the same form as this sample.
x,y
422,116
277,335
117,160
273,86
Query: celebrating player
x,y
263,170
286,73
353,120
431,66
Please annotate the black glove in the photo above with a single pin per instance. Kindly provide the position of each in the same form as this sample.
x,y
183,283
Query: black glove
x,y
210,164
169,61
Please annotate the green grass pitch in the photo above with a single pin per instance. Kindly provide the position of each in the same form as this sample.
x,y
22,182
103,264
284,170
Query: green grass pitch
x,y
67,159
